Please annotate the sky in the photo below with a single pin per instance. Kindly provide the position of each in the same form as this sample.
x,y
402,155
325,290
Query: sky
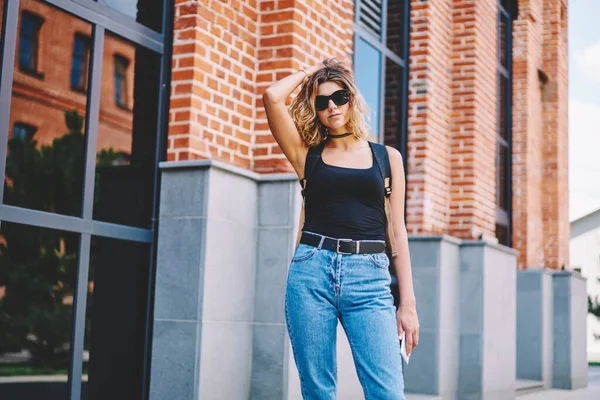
x,y
584,107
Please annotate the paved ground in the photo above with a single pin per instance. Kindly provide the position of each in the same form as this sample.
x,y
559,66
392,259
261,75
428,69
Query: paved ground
x,y
592,392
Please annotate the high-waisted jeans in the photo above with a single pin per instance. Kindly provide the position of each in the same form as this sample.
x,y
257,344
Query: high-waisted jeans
x,y
323,286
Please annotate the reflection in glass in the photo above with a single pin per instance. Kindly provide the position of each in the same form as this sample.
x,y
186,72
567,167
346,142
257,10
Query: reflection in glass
x,y
367,69
116,318
393,104
46,147
81,59
29,41
37,281
127,134
146,12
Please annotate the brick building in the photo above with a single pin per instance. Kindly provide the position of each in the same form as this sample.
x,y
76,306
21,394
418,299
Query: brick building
x,y
472,93
198,216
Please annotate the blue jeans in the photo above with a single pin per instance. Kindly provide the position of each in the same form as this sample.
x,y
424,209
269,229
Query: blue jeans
x,y
323,286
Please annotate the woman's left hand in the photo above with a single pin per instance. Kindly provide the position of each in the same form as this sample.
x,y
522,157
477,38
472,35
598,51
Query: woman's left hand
x,y
408,322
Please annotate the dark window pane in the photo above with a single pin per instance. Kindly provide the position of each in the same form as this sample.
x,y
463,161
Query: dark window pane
x,y
393,104
115,319
80,62
125,161
37,283
502,107
46,173
367,68
395,26
23,131
503,38
502,187
146,12
502,234
29,40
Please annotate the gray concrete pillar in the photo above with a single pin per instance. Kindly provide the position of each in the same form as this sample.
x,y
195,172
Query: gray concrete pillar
x,y
535,326
569,366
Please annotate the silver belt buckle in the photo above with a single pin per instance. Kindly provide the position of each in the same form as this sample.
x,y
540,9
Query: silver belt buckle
x,y
337,249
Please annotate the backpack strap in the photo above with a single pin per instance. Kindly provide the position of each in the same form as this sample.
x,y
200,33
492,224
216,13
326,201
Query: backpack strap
x,y
382,158
314,153
383,162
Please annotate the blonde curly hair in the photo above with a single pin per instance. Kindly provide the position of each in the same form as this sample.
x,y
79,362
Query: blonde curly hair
x,y
303,112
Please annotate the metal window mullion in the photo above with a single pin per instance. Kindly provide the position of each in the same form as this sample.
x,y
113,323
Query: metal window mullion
x,y
509,83
9,44
69,223
162,125
79,308
92,119
113,21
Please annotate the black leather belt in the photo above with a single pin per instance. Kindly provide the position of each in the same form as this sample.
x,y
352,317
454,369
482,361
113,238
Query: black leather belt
x,y
343,246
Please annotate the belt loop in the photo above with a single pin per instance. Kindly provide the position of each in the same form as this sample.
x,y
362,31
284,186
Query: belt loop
x,y
321,242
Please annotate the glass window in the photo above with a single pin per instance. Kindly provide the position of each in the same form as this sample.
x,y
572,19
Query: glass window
x,y
115,319
79,65
46,173
501,178
367,67
38,269
1,29
125,161
121,86
145,12
395,26
392,129
23,131
29,41
370,16
503,40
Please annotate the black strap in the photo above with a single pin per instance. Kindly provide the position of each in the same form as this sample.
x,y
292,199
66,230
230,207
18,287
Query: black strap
x,y
383,162
381,158
346,246
314,153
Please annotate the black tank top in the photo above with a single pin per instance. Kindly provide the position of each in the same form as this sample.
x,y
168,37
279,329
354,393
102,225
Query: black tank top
x,y
345,202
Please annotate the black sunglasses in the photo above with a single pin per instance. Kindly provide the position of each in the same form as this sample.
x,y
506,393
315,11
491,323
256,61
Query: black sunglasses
x,y
339,97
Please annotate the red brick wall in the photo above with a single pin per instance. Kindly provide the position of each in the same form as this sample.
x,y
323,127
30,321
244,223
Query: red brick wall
x,y
212,92
225,54
428,189
528,227
295,34
555,202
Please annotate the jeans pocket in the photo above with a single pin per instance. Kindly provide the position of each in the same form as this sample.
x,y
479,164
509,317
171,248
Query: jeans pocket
x,y
303,252
380,260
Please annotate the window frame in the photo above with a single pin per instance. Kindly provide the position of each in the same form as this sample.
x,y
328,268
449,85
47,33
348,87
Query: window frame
x,y
504,72
380,44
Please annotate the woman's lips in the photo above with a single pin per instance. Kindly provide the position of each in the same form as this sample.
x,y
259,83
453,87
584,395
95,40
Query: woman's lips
x,y
334,116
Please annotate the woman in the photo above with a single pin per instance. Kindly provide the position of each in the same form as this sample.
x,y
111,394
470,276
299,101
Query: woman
x,y
331,275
